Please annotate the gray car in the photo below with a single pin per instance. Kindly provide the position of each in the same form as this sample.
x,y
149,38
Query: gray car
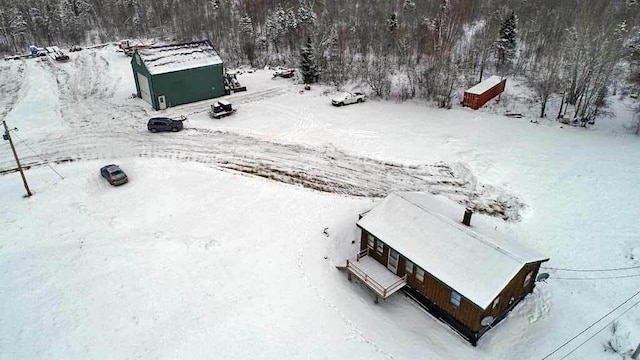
x,y
114,175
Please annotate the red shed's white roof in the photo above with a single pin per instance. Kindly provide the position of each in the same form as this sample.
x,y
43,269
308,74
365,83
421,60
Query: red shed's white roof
x,y
421,227
170,58
485,85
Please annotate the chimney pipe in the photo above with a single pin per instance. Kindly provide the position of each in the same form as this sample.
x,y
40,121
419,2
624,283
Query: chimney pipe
x,y
467,216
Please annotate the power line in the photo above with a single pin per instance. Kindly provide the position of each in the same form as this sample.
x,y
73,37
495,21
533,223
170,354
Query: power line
x,y
38,155
592,336
592,270
592,325
596,278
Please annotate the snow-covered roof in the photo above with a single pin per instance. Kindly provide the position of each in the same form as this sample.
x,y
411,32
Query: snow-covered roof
x,y
169,58
485,85
473,265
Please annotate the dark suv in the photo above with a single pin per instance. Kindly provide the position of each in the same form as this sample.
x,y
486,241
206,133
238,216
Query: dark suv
x,y
164,124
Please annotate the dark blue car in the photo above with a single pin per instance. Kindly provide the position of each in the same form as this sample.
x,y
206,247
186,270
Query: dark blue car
x,y
164,124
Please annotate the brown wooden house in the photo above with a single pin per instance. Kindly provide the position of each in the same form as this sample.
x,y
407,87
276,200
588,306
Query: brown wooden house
x,y
417,242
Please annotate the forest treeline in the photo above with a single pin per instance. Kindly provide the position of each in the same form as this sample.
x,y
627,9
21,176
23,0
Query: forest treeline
x,y
399,48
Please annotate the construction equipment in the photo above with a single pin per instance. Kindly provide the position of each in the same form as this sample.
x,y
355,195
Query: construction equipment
x,y
36,51
231,84
284,73
221,109
129,48
57,54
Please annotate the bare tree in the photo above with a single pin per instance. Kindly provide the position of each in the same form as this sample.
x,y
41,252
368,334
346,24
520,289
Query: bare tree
x,y
376,75
543,74
634,124
12,25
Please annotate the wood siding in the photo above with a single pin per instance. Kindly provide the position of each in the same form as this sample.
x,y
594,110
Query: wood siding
x,y
514,291
467,313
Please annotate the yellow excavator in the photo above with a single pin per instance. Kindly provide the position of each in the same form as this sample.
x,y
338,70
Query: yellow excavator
x,y
128,47
231,84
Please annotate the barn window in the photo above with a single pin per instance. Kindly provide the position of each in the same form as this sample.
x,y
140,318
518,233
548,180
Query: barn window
x,y
527,279
379,246
419,274
455,298
408,266
371,240
495,303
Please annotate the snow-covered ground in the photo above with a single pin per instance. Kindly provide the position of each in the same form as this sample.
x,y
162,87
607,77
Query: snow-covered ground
x,y
215,248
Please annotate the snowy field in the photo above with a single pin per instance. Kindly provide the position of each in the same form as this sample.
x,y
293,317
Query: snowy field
x,y
215,248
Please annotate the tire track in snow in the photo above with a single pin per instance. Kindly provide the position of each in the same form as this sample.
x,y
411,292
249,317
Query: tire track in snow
x,y
237,98
323,169
12,76
89,101
108,130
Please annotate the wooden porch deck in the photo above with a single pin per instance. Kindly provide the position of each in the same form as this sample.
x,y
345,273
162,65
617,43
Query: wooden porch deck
x,y
375,275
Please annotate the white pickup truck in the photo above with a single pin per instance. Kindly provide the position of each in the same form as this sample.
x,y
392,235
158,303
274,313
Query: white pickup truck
x,y
348,98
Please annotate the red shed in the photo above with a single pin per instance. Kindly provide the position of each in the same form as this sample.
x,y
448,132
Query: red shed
x,y
486,90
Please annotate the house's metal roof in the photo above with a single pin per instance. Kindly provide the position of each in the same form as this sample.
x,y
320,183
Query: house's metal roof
x,y
170,58
427,230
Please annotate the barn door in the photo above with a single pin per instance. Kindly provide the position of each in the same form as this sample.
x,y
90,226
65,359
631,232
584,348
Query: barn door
x,y
162,103
392,263
145,92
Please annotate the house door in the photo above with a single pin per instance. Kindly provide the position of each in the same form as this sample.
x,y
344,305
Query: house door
x,y
392,263
161,102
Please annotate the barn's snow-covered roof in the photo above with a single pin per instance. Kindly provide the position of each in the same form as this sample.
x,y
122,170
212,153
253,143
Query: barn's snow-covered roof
x,y
169,58
423,229
485,85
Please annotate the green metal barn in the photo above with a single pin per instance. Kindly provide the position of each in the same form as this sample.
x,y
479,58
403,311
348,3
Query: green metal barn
x,y
172,75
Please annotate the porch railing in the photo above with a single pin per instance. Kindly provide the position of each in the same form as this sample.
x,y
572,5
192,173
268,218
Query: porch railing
x,y
374,285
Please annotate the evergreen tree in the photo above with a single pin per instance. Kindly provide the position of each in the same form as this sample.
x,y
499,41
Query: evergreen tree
x,y
305,14
274,29
409,5
280,17
308,64
248,38
392,22
506,43
291,21
333,62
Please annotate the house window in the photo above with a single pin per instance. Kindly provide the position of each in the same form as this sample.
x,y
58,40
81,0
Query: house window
x,y
455,298
371,241
379,246
527,279
408,266
419,274
495,303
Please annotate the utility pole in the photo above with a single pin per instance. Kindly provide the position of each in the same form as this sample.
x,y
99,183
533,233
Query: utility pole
x,y
636,353
7,136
